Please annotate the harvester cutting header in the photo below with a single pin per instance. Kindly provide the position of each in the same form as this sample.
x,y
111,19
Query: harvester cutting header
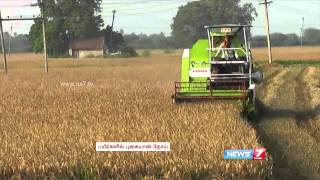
x,y
220,67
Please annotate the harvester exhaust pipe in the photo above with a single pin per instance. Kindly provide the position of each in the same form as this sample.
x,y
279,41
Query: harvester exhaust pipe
x,y
257,76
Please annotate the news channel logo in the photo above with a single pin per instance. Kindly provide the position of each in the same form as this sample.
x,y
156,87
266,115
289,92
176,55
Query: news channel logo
x,y
253,154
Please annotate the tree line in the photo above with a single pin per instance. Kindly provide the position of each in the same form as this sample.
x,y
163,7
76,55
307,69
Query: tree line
x,y
311,37
16,43
68,20
80,19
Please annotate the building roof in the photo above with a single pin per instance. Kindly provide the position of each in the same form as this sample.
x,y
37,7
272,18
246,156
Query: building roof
x,y
97,43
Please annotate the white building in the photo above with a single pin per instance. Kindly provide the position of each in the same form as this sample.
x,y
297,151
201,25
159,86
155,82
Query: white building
x,y
89,47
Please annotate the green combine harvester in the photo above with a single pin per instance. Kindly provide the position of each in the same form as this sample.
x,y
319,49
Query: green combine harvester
x,y
220,67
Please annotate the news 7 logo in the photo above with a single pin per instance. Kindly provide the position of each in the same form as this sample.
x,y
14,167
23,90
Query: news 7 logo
x,y
256,154
259,153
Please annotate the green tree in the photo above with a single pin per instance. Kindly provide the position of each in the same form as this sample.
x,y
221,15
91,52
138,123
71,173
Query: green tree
x,y
66,19
188,24
153,41
311,36
18,43
35,36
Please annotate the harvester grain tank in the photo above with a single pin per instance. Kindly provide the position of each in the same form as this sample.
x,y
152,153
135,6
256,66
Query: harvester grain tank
x,y
220,67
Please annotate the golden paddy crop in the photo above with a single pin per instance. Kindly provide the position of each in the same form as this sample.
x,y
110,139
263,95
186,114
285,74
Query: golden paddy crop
x,y
51,122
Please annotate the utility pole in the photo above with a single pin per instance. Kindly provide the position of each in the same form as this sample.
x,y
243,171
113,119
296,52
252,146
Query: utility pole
x,y
10,41
266,3
111,34
302,30
3,46
44,38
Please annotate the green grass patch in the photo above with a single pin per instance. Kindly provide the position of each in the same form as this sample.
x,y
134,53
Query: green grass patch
x,y
298,62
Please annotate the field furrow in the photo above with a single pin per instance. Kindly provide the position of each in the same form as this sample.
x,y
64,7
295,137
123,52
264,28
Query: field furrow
x,y
274,81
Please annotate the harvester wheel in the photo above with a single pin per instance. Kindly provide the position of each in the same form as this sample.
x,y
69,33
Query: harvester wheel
x,y
249,103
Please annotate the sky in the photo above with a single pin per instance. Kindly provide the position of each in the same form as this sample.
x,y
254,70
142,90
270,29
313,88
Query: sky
x,y
155,16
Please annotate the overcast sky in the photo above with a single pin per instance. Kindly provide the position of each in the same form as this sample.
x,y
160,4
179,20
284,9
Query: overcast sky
x,y
155,16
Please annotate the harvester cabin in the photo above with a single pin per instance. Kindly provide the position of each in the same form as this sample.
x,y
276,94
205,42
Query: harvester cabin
x,y
89,47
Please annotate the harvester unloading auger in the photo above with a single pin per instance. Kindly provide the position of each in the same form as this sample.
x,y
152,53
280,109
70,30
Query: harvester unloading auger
x,y
220,67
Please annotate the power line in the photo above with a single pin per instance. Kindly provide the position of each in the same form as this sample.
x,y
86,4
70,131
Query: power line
x,y
127,4
130,8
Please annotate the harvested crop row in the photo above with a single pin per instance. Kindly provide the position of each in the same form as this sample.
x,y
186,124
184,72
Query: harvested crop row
x,y
274,84
312,81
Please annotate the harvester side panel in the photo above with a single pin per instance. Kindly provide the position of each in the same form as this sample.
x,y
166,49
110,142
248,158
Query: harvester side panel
x,y
199,52
185,63
199,58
